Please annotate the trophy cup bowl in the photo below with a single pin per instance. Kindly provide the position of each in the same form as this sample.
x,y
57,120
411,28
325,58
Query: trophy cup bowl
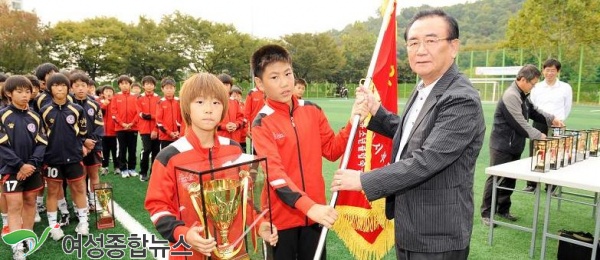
x,y
222,200
104,197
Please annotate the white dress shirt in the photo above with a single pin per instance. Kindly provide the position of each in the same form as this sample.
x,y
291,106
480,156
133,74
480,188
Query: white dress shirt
x,y
413,113
556,99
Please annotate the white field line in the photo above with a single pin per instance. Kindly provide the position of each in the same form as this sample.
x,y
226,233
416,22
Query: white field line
x,y
135,227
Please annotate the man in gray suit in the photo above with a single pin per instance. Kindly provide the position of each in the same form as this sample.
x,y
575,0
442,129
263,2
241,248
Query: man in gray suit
x,y
429,184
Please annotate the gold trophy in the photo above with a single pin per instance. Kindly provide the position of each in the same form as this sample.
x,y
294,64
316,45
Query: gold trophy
x,y
103,194
222,199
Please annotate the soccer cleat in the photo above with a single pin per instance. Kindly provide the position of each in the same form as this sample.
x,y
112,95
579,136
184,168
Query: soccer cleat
x,y
83,228
124,174
132,173
143,177
5,230
117,171
104,171
37,218
64,220
56,233
18,251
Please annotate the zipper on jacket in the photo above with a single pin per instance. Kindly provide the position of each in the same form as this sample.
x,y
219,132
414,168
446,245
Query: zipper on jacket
x,y
299,156
210,162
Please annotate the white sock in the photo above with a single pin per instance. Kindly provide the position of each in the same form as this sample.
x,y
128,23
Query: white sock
x,y
62,206
91,197
40,200
82,214
4,220
52,218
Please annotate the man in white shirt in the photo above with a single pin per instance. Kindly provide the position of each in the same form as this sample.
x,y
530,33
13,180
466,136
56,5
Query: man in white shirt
x,y
552,96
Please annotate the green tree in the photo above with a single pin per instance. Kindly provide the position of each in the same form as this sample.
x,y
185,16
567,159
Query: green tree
x,y
316,56
20,38
96,46
150,53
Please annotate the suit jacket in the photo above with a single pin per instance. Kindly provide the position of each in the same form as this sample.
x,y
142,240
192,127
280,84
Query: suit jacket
x,y
429,191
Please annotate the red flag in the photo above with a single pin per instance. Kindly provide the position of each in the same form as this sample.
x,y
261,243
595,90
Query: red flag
x,y
362,225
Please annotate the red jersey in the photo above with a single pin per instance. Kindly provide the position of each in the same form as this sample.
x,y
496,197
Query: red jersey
x,y
124,110
254,102
236,115
168,199
107,117
146,111
294,144
168,118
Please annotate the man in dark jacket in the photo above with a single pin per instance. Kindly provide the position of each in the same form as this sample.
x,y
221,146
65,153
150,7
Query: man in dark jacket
x,y
508,136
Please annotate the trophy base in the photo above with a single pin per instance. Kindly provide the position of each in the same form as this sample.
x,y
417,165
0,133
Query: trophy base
x,y
104,223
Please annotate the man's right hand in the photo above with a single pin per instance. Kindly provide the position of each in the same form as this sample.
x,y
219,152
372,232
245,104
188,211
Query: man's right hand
x,y
368,96
324,215
199,243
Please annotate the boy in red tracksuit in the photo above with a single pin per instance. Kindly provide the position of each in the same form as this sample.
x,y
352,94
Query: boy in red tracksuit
x,y
232,123
168,114
255,100
146,110
109,141
203,103
124,113
293,134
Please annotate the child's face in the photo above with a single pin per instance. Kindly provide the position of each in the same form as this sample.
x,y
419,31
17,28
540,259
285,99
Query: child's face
x,y
169,90
205,114
149,87
125,86
299,90
278,82
91,90
236,96
108,93
135,90
59,91
79,89
20,97
35,92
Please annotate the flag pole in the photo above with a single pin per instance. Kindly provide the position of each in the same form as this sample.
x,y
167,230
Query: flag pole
x,y
356,118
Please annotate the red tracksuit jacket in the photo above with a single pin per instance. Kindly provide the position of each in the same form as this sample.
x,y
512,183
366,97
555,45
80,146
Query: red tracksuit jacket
x,y
294,143
146,112
236,115
124,110
168,118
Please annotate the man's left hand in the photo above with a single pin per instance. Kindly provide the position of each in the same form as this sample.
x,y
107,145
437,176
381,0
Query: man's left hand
x,y
346,180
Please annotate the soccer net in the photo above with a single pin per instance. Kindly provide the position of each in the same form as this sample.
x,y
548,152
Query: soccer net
x,y
488,88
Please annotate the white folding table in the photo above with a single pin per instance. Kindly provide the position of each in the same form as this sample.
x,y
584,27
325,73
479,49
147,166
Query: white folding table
x,y
521,170
583,175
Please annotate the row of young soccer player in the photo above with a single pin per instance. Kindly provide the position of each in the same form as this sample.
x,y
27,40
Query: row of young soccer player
x,y
294,134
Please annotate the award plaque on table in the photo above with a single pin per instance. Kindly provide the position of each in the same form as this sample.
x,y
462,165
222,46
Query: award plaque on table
x,y
556,154
582,145
555,131
568,150
540,161
594,134
228,197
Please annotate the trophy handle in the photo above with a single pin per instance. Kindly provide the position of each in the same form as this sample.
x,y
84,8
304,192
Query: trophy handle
x,y
199,212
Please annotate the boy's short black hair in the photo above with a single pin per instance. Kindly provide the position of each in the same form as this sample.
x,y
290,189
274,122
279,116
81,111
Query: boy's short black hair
x,y
15,82
300,81
3,77
135,84
167,81
98,92
235,89
149,79
226,79
124,78
103,88
78,76
266,55
34,81
43,69
91,82
57,79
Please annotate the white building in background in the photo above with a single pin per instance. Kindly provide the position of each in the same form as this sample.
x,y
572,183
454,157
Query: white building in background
x,y
13,4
